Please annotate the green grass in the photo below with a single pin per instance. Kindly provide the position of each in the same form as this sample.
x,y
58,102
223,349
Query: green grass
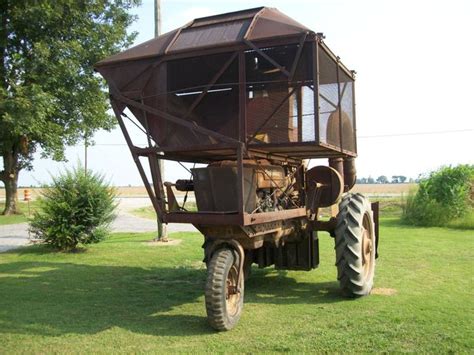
x,y
124,295
149,212
22,216
466,222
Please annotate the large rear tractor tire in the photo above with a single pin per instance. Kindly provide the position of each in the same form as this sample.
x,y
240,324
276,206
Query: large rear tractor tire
x,y
355,246
224,293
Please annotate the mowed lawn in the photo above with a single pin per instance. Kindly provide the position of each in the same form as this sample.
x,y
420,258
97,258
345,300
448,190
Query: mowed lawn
x,y
125,295
25,213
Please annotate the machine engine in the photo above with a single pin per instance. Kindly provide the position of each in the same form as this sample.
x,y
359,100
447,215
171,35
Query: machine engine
x,y
267,187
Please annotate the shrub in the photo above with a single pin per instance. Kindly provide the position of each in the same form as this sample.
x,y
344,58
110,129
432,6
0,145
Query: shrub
x,y
76,209
446,194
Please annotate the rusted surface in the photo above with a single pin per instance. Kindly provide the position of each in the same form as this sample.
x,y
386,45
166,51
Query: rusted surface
x,y
375,211
253,87
220,30
324,187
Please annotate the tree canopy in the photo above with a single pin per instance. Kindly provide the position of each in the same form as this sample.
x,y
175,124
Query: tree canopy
x,y
50,96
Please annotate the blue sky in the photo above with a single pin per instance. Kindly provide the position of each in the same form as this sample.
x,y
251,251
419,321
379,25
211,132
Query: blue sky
x,y
413,61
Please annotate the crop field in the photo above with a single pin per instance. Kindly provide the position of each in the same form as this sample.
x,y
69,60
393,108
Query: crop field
x,y
139,191
126,295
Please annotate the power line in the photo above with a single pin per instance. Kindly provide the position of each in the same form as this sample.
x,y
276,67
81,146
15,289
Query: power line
x,y
359,137
417,133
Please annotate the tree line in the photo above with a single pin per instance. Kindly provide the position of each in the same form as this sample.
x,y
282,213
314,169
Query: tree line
x,y
382,179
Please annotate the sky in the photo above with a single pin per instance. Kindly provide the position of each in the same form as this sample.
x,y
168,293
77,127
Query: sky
x,y
414,87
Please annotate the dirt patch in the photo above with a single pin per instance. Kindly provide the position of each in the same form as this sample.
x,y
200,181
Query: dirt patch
x,y
383,291
169,243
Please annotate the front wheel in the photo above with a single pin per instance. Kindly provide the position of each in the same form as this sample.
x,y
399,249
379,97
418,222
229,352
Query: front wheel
x,y
224,293
355,245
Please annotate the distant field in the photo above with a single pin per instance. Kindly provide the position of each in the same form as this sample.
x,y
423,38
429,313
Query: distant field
x,y
384,188
139,191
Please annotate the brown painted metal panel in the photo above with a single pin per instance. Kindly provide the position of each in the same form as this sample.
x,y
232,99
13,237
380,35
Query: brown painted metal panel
x,y
273,23
227,17
152,48
214,31
220,33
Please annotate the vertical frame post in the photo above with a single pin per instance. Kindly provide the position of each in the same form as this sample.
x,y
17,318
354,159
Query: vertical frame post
x,y
242,99
299,109
242,136
240,183
151,193
156,168
354,117
339,103
315,45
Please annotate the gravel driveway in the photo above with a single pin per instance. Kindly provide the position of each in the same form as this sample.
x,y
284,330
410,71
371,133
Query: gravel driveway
x,y
15,235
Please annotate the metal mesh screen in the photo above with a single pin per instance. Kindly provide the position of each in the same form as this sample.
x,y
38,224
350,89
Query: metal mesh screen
x,y
328,100
279,102
346,89
200,90
280,106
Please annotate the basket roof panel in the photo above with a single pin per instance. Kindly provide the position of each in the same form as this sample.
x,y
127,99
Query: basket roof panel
x,y
219,30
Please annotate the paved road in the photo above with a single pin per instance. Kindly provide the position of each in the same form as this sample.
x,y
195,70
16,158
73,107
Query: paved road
x,y
15,235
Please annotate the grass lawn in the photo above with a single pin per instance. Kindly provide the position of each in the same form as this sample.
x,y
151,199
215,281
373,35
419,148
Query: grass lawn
x,y
149,212
125,295
18,218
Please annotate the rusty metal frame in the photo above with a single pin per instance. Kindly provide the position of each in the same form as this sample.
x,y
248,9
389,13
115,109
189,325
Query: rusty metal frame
x,y
191,125
339,97
290,76
136,158
354,116
277,108
210,85
317,134
267,57
241,148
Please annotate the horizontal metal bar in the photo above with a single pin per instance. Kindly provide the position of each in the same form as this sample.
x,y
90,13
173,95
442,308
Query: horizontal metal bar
x,y
214,49
256,218
191,125
267,57
203,218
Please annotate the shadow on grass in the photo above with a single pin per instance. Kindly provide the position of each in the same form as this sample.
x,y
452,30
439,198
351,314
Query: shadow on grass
x,y
270,287
43,249
51,299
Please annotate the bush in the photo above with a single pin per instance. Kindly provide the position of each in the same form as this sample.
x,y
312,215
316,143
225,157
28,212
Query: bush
x,y
76,209
445,195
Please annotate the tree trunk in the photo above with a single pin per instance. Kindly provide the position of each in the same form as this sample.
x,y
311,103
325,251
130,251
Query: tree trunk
x,y
9,176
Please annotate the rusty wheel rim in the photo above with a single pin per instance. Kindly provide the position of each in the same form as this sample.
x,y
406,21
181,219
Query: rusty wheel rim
x,y
232,295
367,245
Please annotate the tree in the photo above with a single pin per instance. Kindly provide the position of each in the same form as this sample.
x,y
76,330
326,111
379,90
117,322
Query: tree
x,y
50,96
398,179
382,179
370,180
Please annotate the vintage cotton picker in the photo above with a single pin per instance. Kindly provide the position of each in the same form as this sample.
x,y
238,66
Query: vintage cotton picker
x,y
252,94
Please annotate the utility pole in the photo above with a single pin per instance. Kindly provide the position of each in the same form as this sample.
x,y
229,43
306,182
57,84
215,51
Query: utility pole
x,y
85,155
86,144
162,234
157,18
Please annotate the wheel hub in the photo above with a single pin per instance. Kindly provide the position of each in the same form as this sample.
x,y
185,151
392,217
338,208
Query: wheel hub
x,y
367,245
232,293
